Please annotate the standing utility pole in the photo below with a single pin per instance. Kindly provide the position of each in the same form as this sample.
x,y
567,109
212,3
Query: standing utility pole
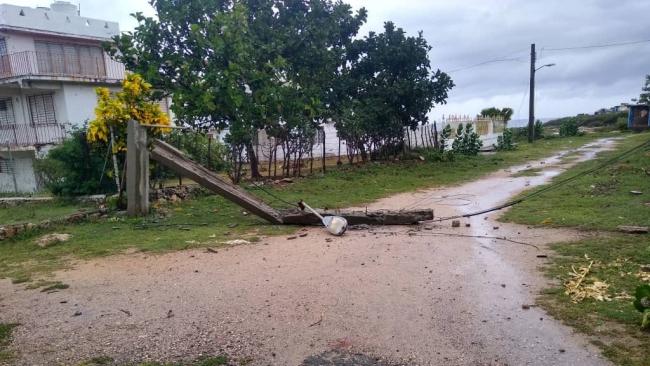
x,y
531,101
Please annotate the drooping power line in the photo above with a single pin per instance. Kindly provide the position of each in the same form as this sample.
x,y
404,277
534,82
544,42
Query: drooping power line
x,y
604,45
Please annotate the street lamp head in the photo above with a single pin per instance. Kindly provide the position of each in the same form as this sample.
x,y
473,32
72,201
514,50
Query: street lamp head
x,y
547,65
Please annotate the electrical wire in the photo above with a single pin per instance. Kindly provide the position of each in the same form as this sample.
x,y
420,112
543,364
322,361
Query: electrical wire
x,y
485,63
547,188
275,196
604,45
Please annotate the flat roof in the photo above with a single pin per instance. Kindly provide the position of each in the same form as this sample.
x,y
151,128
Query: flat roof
x,y
47,21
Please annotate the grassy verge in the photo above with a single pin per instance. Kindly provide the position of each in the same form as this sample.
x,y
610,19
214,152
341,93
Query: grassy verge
x,y
203,361
211,220
5,338
600,201
597,201
36,212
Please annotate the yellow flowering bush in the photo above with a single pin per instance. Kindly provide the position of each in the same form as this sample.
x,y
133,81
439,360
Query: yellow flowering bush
x,y
114,110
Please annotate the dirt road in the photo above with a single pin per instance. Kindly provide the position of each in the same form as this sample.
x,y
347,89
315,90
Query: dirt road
x,y
390,295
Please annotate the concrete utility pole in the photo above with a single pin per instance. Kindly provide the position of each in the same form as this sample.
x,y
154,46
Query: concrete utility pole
x,y
531,100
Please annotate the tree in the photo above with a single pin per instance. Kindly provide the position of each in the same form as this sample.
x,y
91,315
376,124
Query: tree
x,y
391,87
644,98
114,111
505,113
244,65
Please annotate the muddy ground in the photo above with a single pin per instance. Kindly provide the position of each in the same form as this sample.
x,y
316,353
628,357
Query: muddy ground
x,y
378,296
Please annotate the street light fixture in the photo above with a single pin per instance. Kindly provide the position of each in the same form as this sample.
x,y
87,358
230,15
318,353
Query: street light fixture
x,y
531,102
547,65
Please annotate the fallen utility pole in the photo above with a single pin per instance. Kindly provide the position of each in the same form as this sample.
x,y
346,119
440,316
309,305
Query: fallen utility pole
x,y
380,217
177,161
180,163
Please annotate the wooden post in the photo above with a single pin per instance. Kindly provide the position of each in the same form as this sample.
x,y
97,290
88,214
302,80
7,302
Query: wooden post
x,y
137,170
323,157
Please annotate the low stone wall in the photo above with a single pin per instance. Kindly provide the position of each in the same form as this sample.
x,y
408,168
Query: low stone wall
x,y
9,231
175,194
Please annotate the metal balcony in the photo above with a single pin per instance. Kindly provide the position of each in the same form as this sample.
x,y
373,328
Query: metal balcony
x,y
20,136
45,65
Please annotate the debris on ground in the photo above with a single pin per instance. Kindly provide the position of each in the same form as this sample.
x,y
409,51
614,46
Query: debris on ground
x,y
359,227
292,237
578,290
455,223
633,229
636,193
237,242
52,239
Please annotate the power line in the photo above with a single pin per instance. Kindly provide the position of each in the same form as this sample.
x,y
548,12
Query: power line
x,y
485,63
604,45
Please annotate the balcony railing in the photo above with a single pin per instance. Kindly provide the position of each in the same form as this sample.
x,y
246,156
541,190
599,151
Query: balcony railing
x,y
44,64
25,135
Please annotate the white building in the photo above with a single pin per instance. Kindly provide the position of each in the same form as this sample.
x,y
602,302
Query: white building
x,y
51,61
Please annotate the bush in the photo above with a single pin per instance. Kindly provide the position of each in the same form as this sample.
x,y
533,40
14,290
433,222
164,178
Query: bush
x,y
621,124
505,141
569,128
75,168
539,130
467,141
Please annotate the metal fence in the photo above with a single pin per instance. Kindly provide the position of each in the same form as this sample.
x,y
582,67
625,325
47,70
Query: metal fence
x,y
32,63
22,135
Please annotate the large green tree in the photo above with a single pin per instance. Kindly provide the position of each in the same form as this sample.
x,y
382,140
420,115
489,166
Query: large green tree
x,y
390,86
243,65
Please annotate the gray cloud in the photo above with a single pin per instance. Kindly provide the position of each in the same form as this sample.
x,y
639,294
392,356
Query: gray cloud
x,y
464,33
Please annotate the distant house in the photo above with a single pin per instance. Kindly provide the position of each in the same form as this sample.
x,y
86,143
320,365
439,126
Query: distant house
x,y
638,117
51,60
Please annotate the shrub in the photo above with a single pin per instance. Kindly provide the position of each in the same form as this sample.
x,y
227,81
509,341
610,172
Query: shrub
x,y
505,141
467,141
569,128
75,167
621,124
539,130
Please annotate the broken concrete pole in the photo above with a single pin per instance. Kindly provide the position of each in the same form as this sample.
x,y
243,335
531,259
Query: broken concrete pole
x,y
381,217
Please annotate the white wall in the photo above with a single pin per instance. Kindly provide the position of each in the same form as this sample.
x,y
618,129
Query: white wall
x,y
79,103
24,169
18,42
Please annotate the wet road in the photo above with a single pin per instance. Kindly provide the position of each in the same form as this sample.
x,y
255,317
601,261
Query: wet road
x,y
395,295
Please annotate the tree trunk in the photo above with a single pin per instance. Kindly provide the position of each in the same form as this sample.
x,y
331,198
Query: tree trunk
x,y
252,159
323,157
436,143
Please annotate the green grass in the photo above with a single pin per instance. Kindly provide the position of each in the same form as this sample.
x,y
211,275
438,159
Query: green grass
x,y
36,212
211,220
596,201
613,325
5,339
354,185
203,361
205,221
600,201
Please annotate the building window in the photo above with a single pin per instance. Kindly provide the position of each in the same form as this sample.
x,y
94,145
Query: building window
x,y
3,47
69,59
6,166
6,112
41,109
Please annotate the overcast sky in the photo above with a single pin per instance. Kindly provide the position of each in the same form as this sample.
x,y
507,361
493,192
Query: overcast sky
x,y
469,32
